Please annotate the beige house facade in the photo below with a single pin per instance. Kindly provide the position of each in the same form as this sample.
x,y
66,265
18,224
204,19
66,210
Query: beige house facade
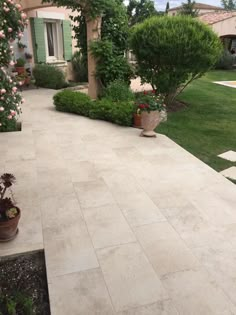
x,y
202,8
48,36
224,24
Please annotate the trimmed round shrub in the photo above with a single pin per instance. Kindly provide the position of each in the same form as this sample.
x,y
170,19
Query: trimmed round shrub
x,y
173,51
73,102
49,77
118,91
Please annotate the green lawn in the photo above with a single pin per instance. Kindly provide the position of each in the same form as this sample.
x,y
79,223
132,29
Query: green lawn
x,y
207,127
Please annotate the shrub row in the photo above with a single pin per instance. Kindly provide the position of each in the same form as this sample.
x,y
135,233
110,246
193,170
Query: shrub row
x,y
119,112
48,76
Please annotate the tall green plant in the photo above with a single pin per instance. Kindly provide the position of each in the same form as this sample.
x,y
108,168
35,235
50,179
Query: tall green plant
x,y
111,65
114,29
173,51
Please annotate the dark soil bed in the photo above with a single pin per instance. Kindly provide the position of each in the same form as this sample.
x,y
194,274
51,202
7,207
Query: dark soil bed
x,y
176,106
23,281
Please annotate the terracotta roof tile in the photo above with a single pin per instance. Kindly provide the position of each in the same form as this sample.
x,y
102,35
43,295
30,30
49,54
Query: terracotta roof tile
x,y
214,17
199,6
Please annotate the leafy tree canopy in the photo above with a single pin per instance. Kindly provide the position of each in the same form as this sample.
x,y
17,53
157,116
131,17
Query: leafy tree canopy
x,y
188,9
89,8
229,5
139,10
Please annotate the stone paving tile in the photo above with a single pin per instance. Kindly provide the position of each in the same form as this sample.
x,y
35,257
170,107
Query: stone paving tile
x,y
107,220
220,263
130,278
93,194
68,246
81,293
139,209
229,155
164,248
85,183
194,292
230,172
160,308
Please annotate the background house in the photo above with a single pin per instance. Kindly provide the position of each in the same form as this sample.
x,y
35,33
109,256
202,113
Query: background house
x,y
49,35
224,24
202,8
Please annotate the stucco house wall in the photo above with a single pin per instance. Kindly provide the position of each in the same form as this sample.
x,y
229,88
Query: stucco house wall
x,y
34,9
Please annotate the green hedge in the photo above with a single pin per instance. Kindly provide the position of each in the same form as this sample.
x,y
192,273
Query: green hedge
x,y
73,102
120,113
49,77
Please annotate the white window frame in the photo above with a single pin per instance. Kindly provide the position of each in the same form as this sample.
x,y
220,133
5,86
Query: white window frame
x,y
58,41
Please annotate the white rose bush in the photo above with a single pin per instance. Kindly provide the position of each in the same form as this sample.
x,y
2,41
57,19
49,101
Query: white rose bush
x,y
12,23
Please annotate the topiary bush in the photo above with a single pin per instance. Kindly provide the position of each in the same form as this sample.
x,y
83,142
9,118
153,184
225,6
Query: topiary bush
x,y
73,102
173,51
49,77
226,61
120,113
118,91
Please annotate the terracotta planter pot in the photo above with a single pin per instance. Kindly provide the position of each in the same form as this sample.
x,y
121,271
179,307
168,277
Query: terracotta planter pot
x,y
137,121
149,122
27,81
20,70
9,229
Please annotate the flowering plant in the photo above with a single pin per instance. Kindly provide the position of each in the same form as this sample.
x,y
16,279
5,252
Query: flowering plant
x,y
150,101
12,22
7,208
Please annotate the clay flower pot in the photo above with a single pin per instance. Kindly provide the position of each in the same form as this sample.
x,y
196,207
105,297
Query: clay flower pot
x,y
149,122
9,229
20,70
137,121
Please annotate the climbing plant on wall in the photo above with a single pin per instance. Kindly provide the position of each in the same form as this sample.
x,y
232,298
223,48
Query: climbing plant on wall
x,y
12,22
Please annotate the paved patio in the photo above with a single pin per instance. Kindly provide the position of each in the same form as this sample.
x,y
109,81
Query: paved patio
x,y
130,226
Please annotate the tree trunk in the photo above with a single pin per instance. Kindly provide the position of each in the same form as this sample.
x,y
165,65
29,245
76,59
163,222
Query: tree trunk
x,y
93,34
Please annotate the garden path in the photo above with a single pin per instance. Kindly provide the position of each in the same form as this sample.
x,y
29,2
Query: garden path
x,y
130,225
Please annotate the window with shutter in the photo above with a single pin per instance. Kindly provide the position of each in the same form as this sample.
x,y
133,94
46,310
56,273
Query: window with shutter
x,y
51,39
38,40
67,40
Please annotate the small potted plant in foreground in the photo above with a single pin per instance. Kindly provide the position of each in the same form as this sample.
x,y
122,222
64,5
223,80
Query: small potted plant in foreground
x,y
9,213
150,105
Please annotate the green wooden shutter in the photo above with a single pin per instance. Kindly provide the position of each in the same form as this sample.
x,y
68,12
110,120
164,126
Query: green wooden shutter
x,y
67,40
38,40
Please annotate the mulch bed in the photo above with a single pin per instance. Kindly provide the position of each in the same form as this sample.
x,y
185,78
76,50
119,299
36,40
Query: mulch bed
x,y
176,106
25,274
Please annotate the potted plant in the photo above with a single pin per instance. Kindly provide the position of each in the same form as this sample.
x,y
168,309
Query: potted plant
x,y
28,57
20,65
9,213
137,118
21,46
150,105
